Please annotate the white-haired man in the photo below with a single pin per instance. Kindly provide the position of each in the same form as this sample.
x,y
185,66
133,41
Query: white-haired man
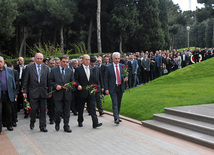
x,y
114,84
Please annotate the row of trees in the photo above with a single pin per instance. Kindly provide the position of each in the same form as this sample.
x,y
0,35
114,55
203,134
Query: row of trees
x,y
104,26
201,24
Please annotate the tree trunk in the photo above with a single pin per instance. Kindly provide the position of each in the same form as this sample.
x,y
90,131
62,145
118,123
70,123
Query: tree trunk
x,y
23,44
89,35
121,44
61,40
99,44
55,38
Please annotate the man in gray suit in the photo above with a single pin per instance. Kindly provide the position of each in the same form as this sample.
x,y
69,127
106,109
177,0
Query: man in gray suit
x,y
59,76
7,93
146,68
36,85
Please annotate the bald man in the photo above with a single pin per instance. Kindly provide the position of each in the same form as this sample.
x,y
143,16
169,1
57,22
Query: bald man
x,y
85,76
35,84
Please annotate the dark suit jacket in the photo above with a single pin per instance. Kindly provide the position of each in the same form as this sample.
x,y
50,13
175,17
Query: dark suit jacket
x,y
31,84
11,85
81,79
56,79
16,77
110,78
98,77
146,64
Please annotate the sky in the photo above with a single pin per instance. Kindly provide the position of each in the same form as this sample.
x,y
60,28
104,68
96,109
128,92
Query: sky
x,y
184,4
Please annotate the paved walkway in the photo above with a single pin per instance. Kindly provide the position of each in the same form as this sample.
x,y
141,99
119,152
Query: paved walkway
x,y
126,138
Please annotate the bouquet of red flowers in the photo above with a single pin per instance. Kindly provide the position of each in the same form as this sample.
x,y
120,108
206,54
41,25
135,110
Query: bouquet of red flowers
x,y
69,85
27,107
92,89
125,71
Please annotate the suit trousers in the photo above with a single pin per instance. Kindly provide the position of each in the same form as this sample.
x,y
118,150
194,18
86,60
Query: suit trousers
x,y
62,108
91,108
116,98
5,109
99,103
38,104
51,106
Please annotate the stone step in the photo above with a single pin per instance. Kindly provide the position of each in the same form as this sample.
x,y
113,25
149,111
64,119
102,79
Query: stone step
x,y
183,133
200,112
188,123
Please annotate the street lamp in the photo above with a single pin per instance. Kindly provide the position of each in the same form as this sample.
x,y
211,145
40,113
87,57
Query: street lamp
x,y
188,30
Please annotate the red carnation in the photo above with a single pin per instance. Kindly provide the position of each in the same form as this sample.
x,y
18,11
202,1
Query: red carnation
x,y
94,85
103,101
74,83
47,110
123,67
29,108
127,66
96,91
25,101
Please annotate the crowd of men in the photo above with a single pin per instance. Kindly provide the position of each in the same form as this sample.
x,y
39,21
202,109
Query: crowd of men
x,y
44,81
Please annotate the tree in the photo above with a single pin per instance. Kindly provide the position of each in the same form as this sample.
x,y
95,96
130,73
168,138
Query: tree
x,y
150,36
62,11
99,44
8,14
176,20
124,20
163,17
207,13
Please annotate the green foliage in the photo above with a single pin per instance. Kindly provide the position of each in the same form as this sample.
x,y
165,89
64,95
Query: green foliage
x,y
47,50
191,85
79,48
8,13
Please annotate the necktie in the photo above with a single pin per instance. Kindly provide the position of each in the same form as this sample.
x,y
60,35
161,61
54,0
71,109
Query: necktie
x,y
39,73
118,75
87,72
63,75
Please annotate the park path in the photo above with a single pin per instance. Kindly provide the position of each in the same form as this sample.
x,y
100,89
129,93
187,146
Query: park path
x,y
130,137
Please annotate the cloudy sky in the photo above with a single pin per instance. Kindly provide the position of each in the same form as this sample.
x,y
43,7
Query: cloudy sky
x,y
184,4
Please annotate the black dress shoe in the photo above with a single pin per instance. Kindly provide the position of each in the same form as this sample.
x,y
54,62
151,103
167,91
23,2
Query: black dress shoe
x,y
9,128
31,126
51,122
26,116
80,125
120,120
75,113
101,113
57,127
44,130
97,125
117,121
67,130
14,124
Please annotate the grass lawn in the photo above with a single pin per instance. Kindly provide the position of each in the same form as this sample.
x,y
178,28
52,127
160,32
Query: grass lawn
x,y
191,85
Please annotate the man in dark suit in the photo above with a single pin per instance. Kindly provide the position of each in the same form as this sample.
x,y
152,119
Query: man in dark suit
x,y
100,86
50,101
158,64
36,83
146,68
59,77
85,76
8,93
14,104
73,66
185,59
114,84
20,68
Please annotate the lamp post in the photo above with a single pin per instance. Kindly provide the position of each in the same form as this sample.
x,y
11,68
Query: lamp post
x,y
188,30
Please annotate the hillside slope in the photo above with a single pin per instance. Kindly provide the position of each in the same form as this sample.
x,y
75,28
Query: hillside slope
x,y
191,85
